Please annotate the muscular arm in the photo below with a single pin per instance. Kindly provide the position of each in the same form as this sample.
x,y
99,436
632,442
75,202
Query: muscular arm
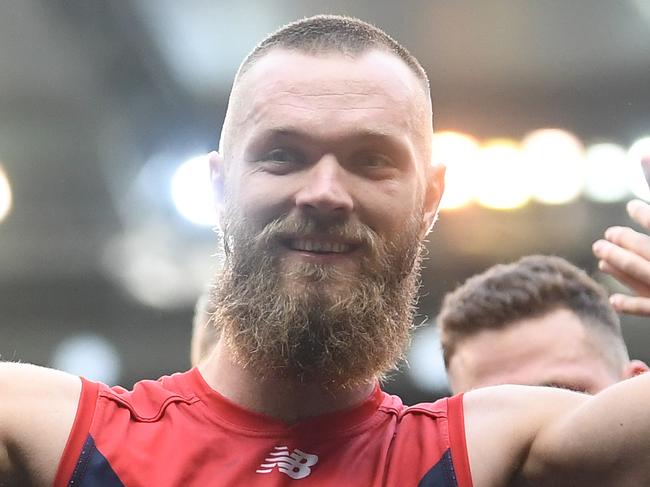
x,y
522,436
37,409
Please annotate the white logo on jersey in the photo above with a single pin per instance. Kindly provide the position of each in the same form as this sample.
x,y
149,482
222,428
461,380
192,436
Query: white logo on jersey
x,y
295,464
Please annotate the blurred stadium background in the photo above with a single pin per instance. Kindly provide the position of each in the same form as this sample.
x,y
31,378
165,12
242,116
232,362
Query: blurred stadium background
x,y
542,110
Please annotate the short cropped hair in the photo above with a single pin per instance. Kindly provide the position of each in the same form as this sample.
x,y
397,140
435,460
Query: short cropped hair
x,y
327,34
333,34
529,288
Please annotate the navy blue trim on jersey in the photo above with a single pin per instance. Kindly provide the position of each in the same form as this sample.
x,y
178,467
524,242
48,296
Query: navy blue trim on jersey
x,y
93,470
442,474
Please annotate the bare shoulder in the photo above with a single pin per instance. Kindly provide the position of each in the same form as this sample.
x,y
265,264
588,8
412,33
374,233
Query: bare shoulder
x,y
503,422
37,410
19,378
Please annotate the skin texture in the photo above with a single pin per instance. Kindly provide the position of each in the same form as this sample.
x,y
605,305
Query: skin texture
x,y
37,408
555,349
322,104
516,435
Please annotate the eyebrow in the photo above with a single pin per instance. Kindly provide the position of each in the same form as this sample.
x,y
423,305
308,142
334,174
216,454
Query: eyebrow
x,y
291,133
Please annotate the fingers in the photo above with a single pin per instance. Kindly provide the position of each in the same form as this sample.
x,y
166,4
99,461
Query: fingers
x,y
630,304
624,254
619,260
626,238
637,285
639,211
637,305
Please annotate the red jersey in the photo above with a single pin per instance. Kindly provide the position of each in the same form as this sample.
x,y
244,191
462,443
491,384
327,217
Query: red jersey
x,y
178,431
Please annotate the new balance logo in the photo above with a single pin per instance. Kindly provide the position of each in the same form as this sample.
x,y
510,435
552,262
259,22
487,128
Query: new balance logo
x,y
295,464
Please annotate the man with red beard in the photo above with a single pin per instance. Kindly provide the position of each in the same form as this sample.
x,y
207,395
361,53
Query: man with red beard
x,y
326,192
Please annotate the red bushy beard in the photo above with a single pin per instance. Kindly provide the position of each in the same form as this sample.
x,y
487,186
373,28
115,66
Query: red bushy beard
x,y
316,322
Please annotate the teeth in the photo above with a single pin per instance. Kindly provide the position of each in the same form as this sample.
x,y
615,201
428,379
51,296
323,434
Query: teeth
x,y
317,246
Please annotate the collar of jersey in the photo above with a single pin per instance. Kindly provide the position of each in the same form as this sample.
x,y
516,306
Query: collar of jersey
x,y
223,409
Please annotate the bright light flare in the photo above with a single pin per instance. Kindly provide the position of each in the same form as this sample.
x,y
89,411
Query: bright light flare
x,y
89,355
636,178
145,262
427,365
501,175
192,192
606,182
6,197
458,152
555,160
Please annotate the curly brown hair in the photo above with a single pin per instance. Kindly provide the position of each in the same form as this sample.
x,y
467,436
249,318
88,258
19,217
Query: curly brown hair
x,y
528,288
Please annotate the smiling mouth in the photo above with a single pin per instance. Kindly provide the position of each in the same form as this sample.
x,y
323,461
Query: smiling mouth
x,y
318,246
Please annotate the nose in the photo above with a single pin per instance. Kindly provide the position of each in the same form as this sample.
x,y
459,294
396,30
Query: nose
x,y
324,190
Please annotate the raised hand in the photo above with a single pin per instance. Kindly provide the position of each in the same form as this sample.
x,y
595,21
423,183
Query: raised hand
x,y
624,253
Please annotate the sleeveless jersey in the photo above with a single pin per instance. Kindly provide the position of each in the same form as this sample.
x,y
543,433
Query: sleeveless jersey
x,y
178,431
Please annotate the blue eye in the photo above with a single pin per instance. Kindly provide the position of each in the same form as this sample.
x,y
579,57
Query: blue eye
x,y
282,155
282,161
375,161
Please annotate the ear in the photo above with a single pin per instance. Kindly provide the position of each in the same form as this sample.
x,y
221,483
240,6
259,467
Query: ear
x,y
217,177
435,186
634,368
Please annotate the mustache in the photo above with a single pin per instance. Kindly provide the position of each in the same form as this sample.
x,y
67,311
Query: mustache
x,y
296,226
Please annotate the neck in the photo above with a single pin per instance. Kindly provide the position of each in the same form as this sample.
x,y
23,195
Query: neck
x,y
281,398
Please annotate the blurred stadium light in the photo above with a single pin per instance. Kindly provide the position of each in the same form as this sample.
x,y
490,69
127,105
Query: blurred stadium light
x,y
192,192
501,176
555,164
5,195
89,355
606,181
636,179
458,152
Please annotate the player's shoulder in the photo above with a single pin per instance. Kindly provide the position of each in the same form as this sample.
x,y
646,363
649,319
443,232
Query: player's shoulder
x,y
439,409
34,400
149,400
31,396
20,379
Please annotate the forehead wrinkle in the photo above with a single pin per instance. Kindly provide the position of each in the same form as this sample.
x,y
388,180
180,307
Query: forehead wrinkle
x,y
334,109
322,99
283,115
316,84
262,95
